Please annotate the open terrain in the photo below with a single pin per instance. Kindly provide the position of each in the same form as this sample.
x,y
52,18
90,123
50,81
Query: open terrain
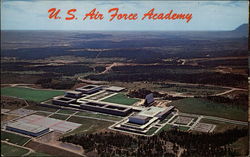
x,y
201,73
206,107
30,94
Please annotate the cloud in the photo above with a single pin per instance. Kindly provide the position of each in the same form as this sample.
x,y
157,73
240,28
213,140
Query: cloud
x,y
233,3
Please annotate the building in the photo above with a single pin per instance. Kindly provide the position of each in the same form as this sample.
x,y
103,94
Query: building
x,y
138,119
149,99
151,111
106,108
27,129
62,100
162,115
73,94
114,89
89,89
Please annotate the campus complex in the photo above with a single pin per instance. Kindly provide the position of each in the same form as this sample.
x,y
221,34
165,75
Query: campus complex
x,y
138,116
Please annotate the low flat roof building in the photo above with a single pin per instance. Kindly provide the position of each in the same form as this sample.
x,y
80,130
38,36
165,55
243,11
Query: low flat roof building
x,y
89,89
165,113
106,108
138,119
151,111
27,129
62,100
115,89
73,94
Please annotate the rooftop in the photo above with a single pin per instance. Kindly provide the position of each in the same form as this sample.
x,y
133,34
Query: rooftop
x,y
139,117
89,87
27,127
151,112
115,88
74,92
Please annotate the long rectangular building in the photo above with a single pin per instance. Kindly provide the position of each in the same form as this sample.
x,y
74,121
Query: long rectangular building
x,y
27,129
106,108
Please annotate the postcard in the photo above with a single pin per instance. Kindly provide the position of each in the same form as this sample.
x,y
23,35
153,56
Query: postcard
x,y
124,78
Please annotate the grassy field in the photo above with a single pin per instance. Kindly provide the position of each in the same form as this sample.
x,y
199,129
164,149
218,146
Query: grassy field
x,y
42,114
99,115
165,128
183,128
88,125
36,95
9,150
192,89
151,131
14,138
166,119
205,107
121,99
59,116
66,111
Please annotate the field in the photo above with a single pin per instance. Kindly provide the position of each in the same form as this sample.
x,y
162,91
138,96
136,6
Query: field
x,y
59,116
205,107
14,138
66,111
99,115
49,149
88,125
36,95
42,114
121,99
9,150
151,131
165,128
191,89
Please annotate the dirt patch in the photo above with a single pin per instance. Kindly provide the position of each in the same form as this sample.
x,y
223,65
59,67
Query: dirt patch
x,y
49,149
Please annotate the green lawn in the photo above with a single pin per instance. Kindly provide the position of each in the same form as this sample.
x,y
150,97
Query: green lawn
x,y
206,107
42,114
151,131
59,116
167,127
66,111
14,138
166,119
99,115
9,150
36,95
121,99
183,128
88,125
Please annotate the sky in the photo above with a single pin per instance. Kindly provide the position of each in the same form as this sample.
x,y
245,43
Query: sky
x,y
206,15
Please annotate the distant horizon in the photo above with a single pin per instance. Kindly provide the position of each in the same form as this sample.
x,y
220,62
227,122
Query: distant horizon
x,y
128,30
